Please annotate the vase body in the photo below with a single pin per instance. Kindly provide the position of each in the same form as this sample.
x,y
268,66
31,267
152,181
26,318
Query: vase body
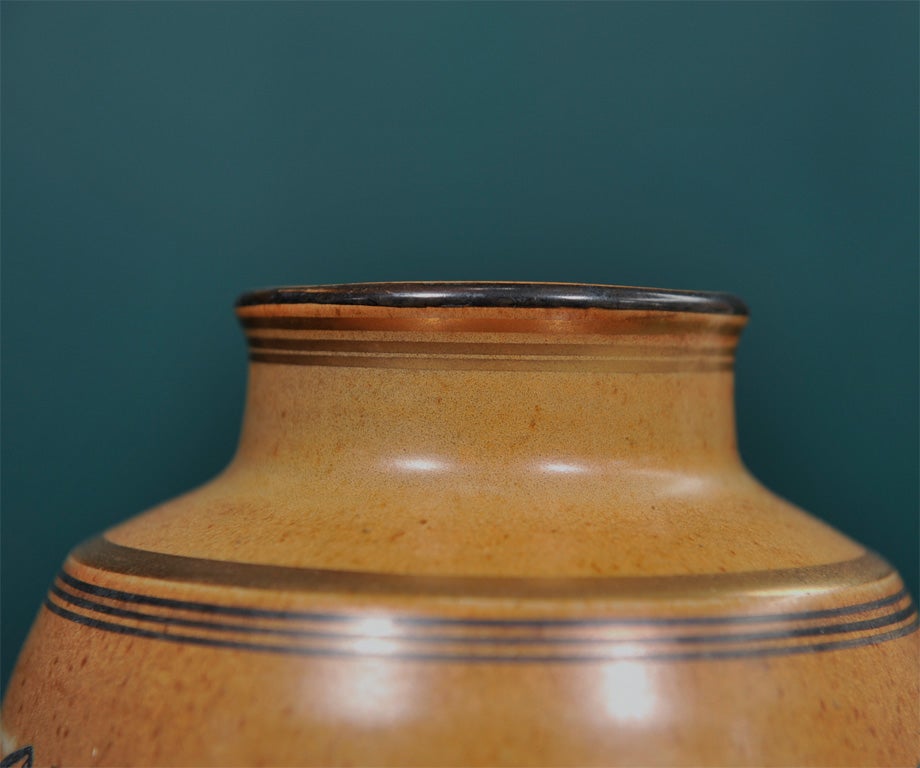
x,y
479,524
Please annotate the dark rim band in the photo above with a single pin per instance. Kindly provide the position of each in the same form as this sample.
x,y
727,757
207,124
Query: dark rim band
x,y
514,295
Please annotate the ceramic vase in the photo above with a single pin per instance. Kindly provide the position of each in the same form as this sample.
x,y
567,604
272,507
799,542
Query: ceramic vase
x,y
475,524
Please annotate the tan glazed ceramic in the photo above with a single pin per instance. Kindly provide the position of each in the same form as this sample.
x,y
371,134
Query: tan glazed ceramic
x,y
475,524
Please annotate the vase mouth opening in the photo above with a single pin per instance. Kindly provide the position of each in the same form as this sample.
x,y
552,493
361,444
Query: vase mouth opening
x,y
507,295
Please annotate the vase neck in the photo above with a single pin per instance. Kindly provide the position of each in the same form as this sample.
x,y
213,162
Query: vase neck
x,y
428,389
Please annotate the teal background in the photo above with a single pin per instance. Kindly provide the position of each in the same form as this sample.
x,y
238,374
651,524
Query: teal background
x,y
158,159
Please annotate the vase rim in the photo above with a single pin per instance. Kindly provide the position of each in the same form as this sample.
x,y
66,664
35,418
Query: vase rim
x,y
501,294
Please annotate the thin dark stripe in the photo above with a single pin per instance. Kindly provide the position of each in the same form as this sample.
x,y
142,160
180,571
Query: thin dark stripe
x,y
536,639
609,327
503,349
193,623
498,659
431,362
209,608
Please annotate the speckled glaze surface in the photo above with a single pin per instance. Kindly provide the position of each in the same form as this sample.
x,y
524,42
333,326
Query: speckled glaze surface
x,y
475,524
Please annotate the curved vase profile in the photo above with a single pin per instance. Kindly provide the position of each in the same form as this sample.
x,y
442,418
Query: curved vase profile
x,y
480,524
